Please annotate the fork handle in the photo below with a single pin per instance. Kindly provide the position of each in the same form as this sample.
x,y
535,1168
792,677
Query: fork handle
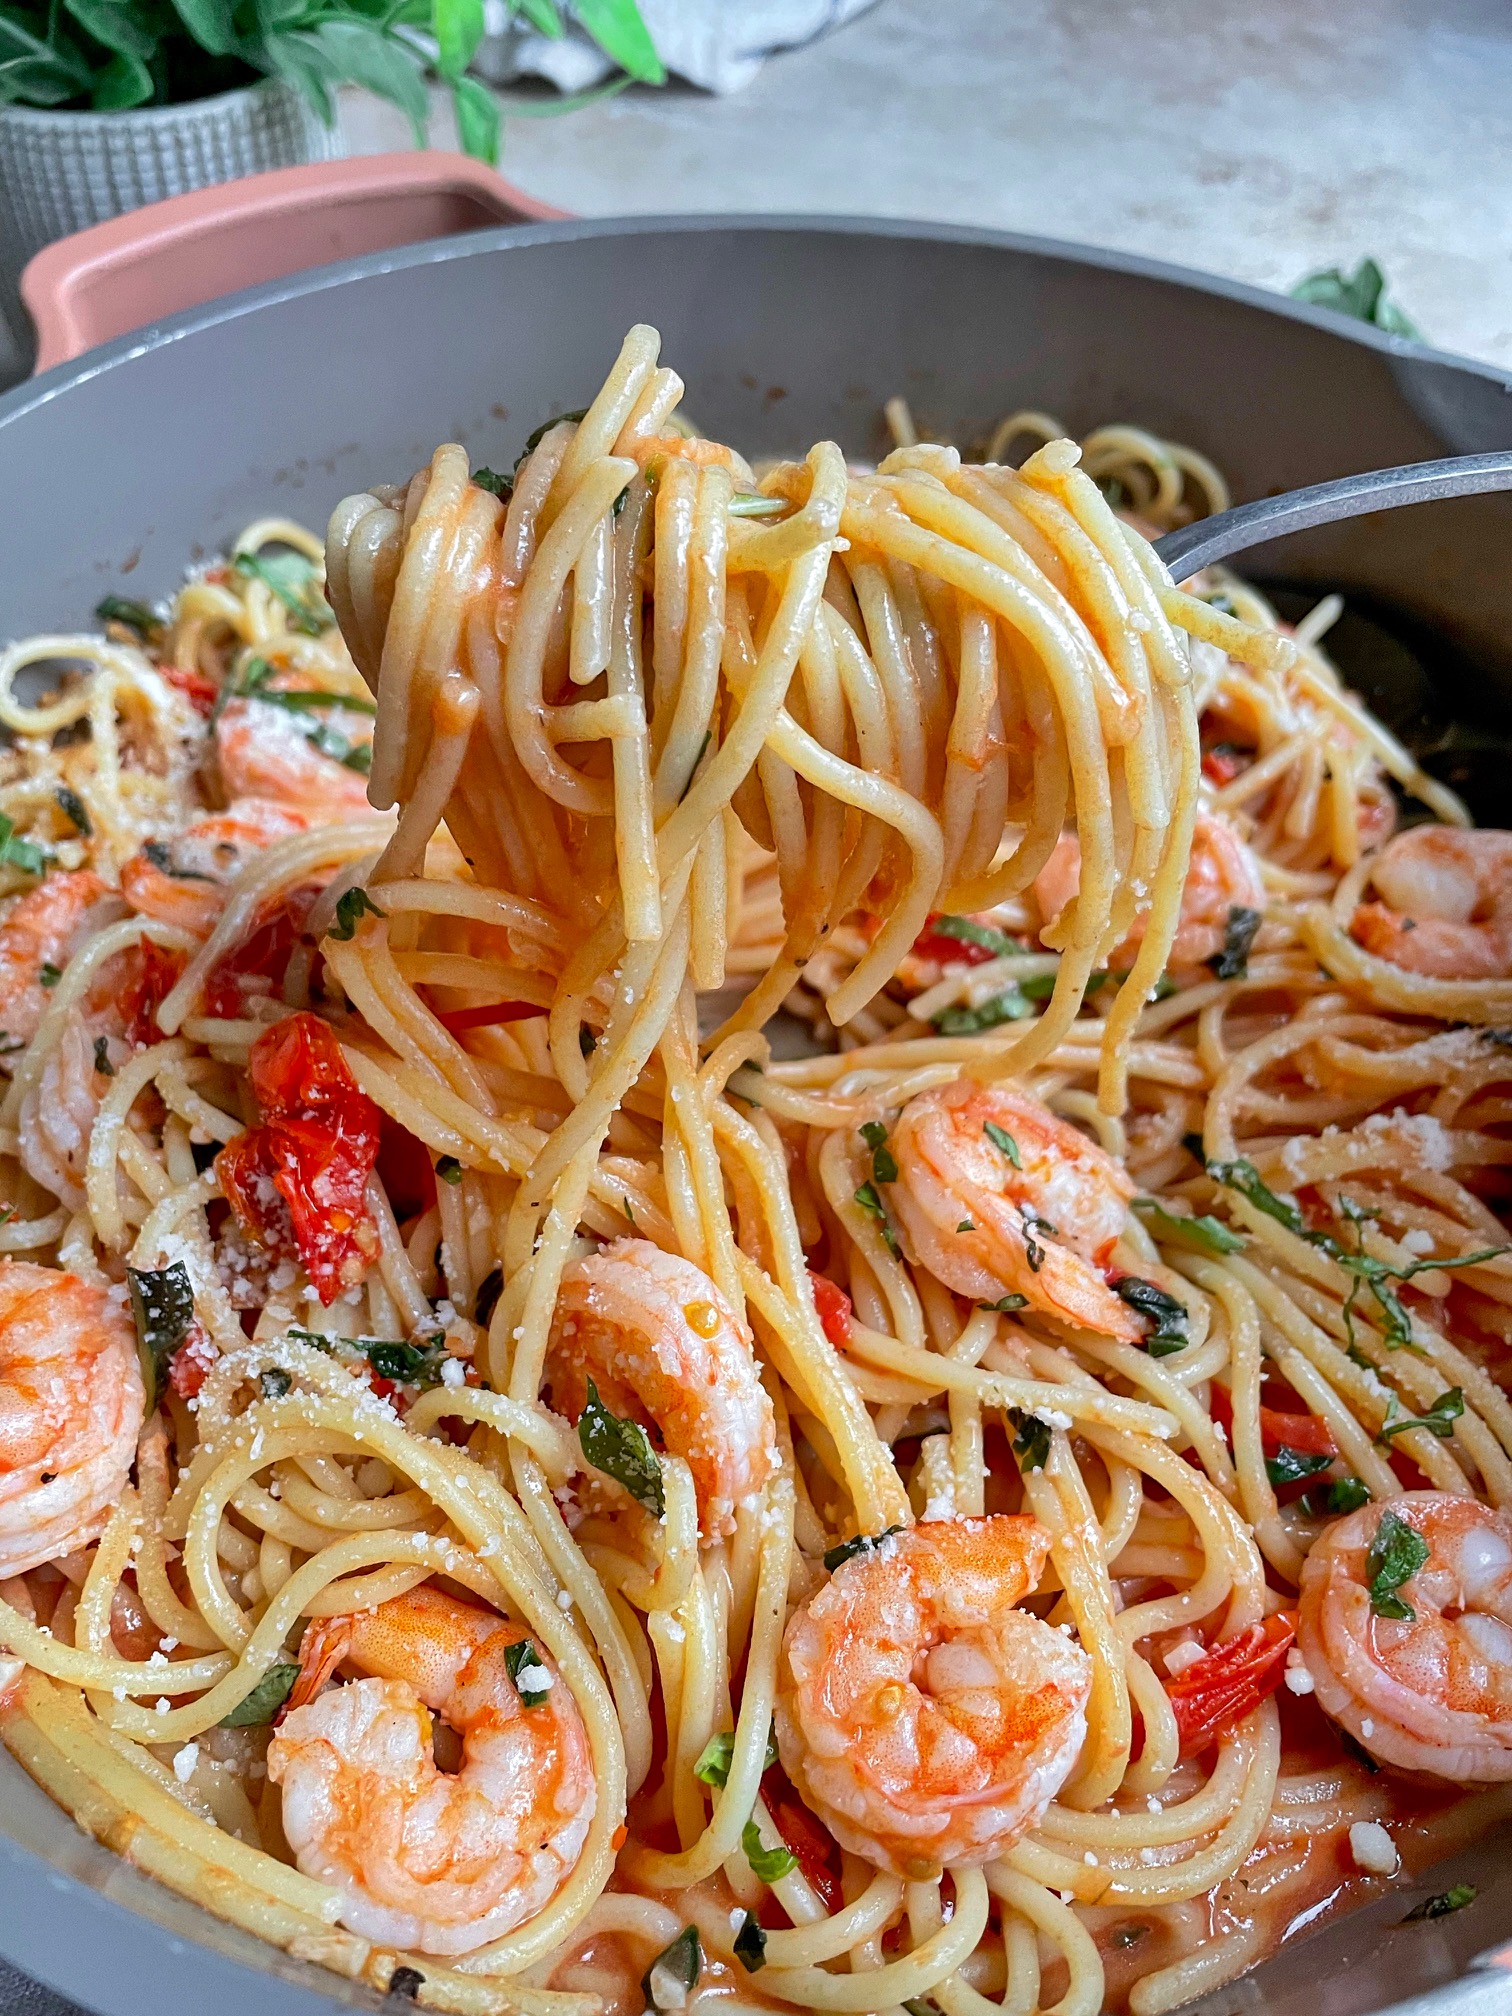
x,y
1187,551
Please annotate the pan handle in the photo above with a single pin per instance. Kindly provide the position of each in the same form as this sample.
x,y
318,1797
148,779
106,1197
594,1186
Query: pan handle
x,y
132,270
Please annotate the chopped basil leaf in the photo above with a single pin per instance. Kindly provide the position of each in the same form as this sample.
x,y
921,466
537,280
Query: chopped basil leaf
x,y
863,1543
291,581
1031,1445
494,483
532,442
488,1297
871,1203
157,853
1245,1178
1339,1495
532,1681
1439,1420
406,1983
969,932
449,1169
750,1944
135,615
257,1709
769,1864
1161,1309
667,1981
162,1302
751,504
273,1382
713,1766
74,810
49,975
587,1041
1009,1006
1196,1147
1001,1138
102,1057
1361,294
1203,1235
406,1364
1005,1305
884,1162
622,1450
1127,1935
966,1226
1288,1465
25,855
693,771
1232,963
1443,1905
1396,1554
351,906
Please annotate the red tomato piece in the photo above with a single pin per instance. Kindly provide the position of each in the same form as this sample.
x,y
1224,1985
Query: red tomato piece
x,y
486,1017
813,1847
264,952
1222,765
303,1173
192,1363
152,977
1309,1434
200,692
1230,1681
933,944
835,1309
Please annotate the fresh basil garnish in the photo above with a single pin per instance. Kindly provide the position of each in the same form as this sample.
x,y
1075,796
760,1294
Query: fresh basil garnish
x,y
1031,1444
1442,1906
769,1864
497,485
713,1766
1232,963
750,1944
1439,1420
449,1169
871,1204
102,1062
351,907
863,1543
24,855
1289,1466
162,1302
74,810
1011,1005
257,1709
1396,1554
884,1162
532,1681
1202,1235
1001,1138
1159,1308
968,932
622,1450
135,615
670,1978
291,580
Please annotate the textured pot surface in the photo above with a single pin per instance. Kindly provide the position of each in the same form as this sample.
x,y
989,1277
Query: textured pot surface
x,y
60,171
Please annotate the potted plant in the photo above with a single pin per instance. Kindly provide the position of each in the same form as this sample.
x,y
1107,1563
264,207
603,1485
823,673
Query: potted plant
x,y
109,104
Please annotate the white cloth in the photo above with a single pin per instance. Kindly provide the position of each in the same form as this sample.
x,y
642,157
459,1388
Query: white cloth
x,y
717,44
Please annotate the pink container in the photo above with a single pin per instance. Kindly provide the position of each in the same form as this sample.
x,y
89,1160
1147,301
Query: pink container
x,y
152,262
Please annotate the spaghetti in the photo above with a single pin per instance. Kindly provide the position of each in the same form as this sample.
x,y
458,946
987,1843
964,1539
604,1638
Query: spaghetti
x,y
512,1491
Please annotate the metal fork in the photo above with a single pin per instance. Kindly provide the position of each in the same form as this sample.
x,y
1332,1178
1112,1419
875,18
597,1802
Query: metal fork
x,y
1220,537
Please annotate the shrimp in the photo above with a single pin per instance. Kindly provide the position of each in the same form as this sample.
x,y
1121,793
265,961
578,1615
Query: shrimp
x,y
660,1343
266,752
1222,876
43,929
186,882
71,1404
427,1860
925,1719
1429,1690
1039,1218
1447,908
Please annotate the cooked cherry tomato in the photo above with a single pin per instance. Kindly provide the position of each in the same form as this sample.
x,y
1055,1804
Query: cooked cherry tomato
x,y
817,1855
1309,1433
153,975
200,692
1230,1681
459,1019
264,953
316,1149
933,944
1223,762
835,1309
192,1363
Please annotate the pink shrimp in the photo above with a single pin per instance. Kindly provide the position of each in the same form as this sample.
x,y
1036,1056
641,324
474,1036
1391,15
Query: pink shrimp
x,y
1406,1629
924,1718
662,1347
1223,876
71,1403
185,881
42,930
266,752
1038,1217
1447,908
423,1859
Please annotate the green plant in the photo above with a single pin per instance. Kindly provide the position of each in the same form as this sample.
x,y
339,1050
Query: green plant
x,y
112,55
1361,294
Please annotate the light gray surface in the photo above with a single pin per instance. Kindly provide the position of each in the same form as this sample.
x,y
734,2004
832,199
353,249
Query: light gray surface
x,y
784,332
1254,138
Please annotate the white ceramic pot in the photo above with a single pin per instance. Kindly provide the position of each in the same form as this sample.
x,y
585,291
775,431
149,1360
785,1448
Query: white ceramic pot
x,y
60,171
